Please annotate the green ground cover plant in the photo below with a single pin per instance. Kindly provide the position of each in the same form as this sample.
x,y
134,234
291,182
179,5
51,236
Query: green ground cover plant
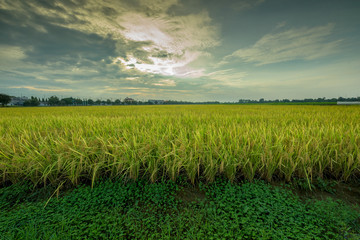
x,y
125,209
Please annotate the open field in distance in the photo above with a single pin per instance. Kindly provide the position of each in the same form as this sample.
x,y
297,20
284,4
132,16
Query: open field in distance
x,y
75,144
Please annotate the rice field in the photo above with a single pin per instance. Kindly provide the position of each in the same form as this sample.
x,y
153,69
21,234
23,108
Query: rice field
x,y
57,145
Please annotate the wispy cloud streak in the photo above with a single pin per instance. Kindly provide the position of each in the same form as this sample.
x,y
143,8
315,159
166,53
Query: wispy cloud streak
x,y
303,43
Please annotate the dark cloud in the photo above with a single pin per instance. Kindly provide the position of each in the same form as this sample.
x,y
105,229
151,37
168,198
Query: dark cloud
x,y
161,54
57,43
108,11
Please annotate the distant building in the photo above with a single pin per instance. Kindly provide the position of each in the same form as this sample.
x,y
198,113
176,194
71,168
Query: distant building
x,y
17,101
348,103
43,104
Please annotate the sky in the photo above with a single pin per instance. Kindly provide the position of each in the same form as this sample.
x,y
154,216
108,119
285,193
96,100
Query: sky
x,y
190,50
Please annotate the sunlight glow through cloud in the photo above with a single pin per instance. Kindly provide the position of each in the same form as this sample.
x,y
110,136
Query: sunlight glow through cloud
x,y
171,44
172,66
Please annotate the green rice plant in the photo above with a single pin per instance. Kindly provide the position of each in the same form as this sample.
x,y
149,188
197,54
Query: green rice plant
x,y
76,144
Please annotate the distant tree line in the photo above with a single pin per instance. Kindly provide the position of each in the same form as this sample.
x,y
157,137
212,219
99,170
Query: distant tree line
x,y
70,101
306,100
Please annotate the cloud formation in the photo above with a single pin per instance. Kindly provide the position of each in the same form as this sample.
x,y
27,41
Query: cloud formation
x,y
228,77
146,37
174,49
170,42
12,53
165,83
302,43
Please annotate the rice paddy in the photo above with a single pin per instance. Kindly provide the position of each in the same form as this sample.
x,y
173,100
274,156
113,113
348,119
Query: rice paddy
x,y
75,144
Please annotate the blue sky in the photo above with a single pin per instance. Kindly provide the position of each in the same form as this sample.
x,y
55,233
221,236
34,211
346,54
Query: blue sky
x,y
181,50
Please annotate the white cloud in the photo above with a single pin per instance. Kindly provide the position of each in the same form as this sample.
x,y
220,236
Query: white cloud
x,y
11,56
132,78
303,43
171,66
134,88
67,81
11,52
43,89
228,77
165,82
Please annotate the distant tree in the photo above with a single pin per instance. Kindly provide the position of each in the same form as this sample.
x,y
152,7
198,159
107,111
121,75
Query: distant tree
x,y
33,101
117,102
261,100
128,100
108,102
67,101
54,101
4,99
98,102
90,102
78,101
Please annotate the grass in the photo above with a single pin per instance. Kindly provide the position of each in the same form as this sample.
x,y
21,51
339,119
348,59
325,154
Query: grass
x,y
125,209
77,144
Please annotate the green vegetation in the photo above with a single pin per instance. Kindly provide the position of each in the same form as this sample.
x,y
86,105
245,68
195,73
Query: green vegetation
x,y
302,103
33,101
4,99
76,144
139,210
71,101
85,172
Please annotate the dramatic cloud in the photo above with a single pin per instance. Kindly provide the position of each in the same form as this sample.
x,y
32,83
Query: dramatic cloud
x,y
146,37
170,43
303,43
174,49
